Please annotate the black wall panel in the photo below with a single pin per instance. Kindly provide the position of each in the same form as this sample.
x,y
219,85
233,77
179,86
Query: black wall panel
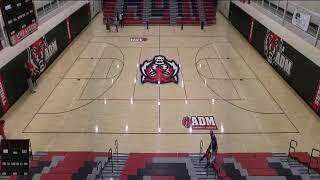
x,y
258,34
241,20
305,74
14,77
79,20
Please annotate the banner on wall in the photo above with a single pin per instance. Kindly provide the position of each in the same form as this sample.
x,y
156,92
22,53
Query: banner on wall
x,y
274,50
301,19
39,55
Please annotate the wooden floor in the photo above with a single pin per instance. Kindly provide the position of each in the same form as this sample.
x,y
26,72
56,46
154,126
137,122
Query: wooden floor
x,y
92,94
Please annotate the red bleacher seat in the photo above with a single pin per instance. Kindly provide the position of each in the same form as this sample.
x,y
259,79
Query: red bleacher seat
x,y
56,176
51,154
262,172
162,178
34,163
13,178
302,157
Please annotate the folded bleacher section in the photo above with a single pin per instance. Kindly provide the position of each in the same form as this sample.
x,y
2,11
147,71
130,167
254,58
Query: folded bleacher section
x,y
161,12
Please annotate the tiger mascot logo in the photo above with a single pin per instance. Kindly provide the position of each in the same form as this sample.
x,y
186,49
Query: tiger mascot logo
x,y
273,45
37,57
159,70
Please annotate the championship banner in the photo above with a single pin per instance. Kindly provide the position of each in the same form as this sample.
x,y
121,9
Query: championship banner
x,y
23,33
301,19
19,19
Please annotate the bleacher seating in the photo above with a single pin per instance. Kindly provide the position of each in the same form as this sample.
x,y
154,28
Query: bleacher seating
x,y
228,166
262,166
173,166
161,12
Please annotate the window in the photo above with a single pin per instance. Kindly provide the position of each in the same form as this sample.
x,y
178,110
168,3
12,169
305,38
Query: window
x,y
2,43
43,7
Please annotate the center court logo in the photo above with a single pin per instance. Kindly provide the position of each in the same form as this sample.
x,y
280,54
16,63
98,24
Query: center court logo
x,y
159,70
199,122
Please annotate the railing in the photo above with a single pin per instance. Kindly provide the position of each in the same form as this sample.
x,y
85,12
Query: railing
x,y
284,9
312,157
116,149
137,13
30,150
292,147
100,173
110,158
201,147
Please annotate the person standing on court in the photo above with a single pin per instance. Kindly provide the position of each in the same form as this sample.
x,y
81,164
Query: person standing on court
x,y
28,72
116,21
121,19
211,150
108,24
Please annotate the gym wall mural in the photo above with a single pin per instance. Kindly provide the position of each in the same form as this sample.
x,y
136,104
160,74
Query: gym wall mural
x,y
42,53
300,72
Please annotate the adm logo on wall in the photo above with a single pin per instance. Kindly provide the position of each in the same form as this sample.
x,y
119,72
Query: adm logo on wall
x,y
39,55
199,122
274,52
159,70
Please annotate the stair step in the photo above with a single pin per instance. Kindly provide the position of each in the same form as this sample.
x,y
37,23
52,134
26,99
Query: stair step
x,y
123,154
118,171
206,177
120,158
115,175
205,173
195,155
115,167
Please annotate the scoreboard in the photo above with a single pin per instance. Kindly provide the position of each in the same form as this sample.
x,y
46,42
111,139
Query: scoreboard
x,y
14,157
19,19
